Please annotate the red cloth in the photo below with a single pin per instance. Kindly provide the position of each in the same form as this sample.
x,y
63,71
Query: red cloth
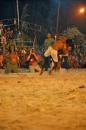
x,y
13,58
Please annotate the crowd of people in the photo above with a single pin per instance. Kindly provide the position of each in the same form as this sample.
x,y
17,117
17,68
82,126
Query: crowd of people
x,y
13,57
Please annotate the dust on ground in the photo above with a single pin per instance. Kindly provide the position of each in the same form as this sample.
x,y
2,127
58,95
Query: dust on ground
x,y
29,101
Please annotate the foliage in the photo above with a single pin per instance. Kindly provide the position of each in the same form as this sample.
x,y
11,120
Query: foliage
x,y
36,13
77,36
35,19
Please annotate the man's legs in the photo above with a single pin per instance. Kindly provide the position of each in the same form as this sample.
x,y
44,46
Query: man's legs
x,y
46,59
54,55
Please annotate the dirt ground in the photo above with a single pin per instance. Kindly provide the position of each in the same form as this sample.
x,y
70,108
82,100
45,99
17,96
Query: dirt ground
x,y
29,101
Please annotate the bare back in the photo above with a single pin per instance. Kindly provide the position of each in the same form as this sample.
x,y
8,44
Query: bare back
x,y
60,44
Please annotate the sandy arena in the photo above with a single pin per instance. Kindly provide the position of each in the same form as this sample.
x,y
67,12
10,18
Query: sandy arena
x,y
29,101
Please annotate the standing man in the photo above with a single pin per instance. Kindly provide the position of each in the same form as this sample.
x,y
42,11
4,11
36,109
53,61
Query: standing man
x,y
48,41
49,51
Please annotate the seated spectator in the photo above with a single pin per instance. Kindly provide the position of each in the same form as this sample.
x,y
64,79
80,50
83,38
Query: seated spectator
x,y
33,60
84,61
1,59
13,59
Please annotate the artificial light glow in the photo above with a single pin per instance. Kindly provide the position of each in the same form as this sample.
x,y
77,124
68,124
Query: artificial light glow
x,y
82,10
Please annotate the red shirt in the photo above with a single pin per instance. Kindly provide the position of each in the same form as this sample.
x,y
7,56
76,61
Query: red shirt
x,y
14,58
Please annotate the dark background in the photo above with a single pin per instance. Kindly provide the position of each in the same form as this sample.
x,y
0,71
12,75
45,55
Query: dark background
x,y
68,12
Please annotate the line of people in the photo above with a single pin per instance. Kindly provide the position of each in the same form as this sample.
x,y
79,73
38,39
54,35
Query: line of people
x,y
15,57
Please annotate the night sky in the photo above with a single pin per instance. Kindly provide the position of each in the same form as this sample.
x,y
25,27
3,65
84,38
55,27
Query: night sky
x,y
68,11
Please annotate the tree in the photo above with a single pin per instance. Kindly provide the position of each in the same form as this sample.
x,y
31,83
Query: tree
x,y
37,12
35,18
77,36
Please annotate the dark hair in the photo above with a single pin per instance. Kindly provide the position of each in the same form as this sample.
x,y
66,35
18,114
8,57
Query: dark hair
x,y
12,46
